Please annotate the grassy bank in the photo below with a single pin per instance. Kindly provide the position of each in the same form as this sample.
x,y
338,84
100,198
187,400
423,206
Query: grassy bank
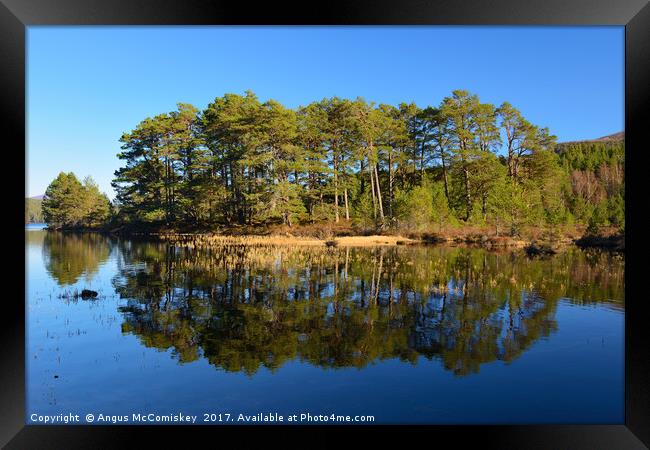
x,y
342,234
203,239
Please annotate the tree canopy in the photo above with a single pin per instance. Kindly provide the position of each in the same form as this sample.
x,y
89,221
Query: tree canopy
x,y
69,203
244,162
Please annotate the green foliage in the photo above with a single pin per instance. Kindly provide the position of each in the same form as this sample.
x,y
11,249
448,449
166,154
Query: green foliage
x,y
596,171
322,212
284,204
442,214
246,162
508,206
69,257
95,205
364,210
423,208
70,204
590,155
616,210
33,210
414,208
599,218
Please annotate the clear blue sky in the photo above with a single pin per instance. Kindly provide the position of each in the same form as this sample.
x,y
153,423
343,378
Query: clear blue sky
x,y
88,85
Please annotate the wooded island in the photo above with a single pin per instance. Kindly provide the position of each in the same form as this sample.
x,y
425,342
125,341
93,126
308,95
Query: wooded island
x,y
350,167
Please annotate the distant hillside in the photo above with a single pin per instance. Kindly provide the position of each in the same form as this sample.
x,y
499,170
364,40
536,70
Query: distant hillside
x,y
616,137
590,154
620,136
596,170
33,210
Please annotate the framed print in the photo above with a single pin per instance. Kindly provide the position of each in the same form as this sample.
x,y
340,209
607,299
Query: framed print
x,y
375,218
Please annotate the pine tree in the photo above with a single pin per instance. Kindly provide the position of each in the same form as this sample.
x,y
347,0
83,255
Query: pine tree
x,y
70,204
62,204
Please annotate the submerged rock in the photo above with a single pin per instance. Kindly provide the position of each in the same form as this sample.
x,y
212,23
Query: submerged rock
x,y
87,293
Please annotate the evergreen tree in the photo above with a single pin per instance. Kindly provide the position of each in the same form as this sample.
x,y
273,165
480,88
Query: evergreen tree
x,y
463,112
244,162
62,205
95,206
70,204
311,126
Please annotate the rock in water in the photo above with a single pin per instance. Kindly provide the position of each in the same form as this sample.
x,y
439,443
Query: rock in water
x,y
539,250
87,293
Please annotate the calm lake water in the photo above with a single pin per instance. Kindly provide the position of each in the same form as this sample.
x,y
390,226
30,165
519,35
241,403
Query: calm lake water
x,y
409,334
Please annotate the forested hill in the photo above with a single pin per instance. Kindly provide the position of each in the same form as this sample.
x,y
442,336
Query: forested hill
x,y
620,136
597,174
33,212
614,138
592,153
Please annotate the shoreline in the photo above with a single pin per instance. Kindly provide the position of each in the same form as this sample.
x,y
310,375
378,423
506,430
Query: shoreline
x,y
253,239
534,246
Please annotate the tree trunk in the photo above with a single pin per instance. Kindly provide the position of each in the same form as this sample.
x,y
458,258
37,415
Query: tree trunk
x,y
444,175
390,184
381,206
372,189
336,279
336,189
381,263
347,208
511,153
484,206
515,168
422,163
168,190
510,156
468,197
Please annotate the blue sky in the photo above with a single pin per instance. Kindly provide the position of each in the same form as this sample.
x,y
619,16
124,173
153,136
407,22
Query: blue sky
x,y
88,85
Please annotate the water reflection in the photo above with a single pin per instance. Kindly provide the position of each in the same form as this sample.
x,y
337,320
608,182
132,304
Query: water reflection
x,y
70,256
243,308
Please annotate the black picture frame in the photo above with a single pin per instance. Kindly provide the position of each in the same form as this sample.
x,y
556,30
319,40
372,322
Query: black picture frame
x,y
16,15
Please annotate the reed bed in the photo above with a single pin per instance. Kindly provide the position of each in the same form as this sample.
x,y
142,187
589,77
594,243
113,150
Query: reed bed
x,y
200,240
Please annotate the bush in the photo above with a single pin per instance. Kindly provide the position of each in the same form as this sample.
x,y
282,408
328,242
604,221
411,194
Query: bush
x,y
423,207
598,219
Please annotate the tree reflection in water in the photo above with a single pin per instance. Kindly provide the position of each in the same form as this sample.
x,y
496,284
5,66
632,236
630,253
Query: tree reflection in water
x,y
244,307
70,256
